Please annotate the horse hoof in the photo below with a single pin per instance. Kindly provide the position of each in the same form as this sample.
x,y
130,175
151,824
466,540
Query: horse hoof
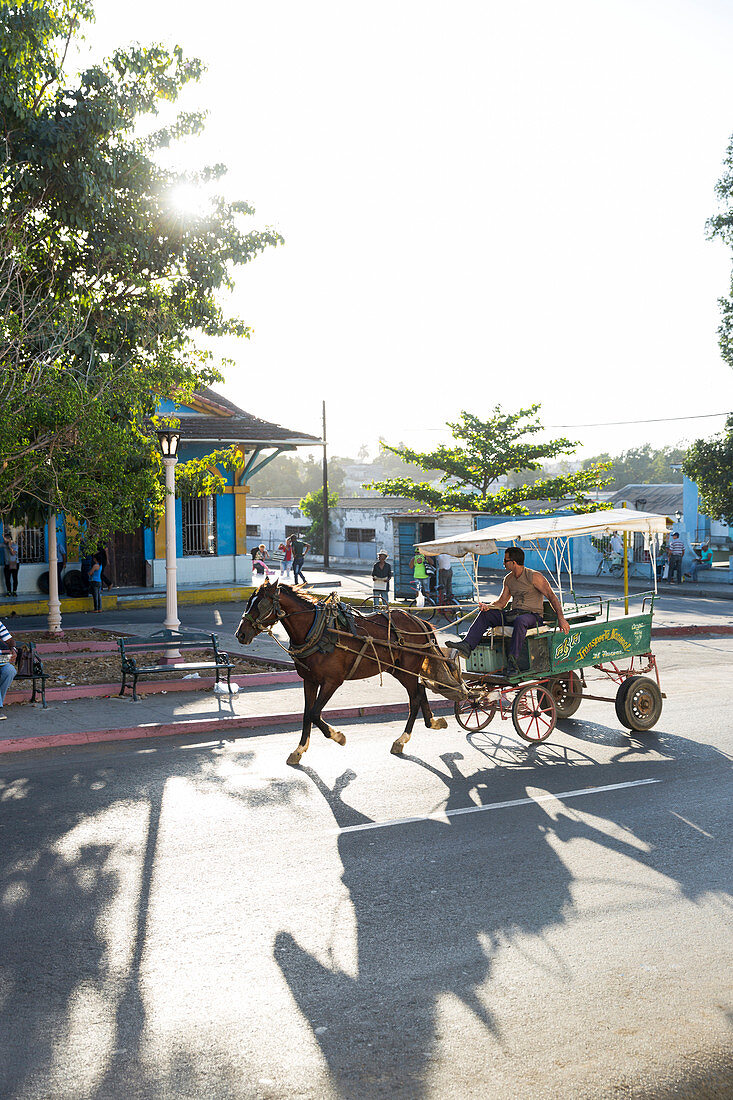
x,y
338,737
438,724
397,748
294,758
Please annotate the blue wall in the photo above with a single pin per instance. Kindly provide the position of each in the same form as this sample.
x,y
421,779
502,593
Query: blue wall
x,y
532,559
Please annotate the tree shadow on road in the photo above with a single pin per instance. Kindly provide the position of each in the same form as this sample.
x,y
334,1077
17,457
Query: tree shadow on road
x,y
430,926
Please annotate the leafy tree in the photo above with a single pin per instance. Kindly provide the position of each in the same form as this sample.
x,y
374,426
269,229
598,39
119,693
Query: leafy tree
x,y
312,506
293,476
643,465
485,451
709,463
721,226
104,285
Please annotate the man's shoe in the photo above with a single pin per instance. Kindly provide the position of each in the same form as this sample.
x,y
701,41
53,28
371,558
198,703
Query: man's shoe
x,y
2,716
462,648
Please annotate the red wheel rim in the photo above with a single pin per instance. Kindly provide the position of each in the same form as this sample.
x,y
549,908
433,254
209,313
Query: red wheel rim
x,y
534,714
472,716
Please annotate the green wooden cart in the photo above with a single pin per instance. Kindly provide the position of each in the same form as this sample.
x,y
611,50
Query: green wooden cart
x,y
618,647
602,637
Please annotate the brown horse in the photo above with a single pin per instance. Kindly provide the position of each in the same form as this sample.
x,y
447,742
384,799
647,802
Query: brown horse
x,y
393,642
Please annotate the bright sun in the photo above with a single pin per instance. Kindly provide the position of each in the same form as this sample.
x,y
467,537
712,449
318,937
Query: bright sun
x,y
189,199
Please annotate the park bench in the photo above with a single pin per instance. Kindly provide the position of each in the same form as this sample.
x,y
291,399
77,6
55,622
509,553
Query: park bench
x,y
33,671
168,641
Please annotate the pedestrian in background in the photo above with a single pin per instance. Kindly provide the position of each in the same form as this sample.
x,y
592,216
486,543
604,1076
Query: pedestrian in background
x,y
287,562
445,576
300,549
12,565
95,584
381,576
418,565
103,558
675,552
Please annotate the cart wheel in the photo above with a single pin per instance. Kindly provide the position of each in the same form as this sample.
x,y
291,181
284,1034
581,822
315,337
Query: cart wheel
x,y
533,713
567,693
473,715
638,703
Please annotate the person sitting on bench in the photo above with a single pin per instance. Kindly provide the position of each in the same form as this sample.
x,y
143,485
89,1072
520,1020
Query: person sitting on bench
x,y
527,589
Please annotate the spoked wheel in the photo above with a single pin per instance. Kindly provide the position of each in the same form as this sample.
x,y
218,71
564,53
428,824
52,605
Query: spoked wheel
x,y
473,714
638,703
567,693
426,612
533,713
370,604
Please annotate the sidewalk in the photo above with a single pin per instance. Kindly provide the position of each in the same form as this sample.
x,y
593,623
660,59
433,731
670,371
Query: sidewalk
x,y
263,708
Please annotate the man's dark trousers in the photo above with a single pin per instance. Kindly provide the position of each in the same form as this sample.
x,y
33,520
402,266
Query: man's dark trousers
x,y
675,566
521,621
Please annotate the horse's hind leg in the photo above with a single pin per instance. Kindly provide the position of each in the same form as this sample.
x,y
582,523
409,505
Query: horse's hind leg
x,y
325,693
310,690
414,687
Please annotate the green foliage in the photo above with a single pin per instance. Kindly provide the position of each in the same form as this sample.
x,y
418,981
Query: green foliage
x,y
104,284
643,465
721,226
312,506
487,450
709,463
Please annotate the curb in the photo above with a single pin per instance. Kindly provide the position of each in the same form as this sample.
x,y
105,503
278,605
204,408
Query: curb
x,y
690,631
152,687
220,727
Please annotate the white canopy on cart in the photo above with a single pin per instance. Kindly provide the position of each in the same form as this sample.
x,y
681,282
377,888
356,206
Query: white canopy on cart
x,y
547,527
558,529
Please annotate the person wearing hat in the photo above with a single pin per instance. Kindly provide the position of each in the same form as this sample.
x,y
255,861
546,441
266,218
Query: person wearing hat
x,y
381,576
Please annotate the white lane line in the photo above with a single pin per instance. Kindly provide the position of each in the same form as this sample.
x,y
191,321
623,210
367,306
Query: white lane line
x,y
443,815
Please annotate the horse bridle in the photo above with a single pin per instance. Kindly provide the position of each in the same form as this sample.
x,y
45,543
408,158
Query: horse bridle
x,y
259,623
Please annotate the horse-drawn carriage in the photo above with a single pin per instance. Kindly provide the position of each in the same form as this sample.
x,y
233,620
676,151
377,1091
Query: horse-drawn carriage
x,y
553,681
330,643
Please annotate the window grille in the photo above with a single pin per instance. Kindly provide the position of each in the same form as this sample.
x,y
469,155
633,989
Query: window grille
x,y
289,531
199,527
361,534
253,530
30,545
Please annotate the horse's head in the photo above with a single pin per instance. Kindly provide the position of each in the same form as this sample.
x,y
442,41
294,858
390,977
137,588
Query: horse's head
x,y
262,610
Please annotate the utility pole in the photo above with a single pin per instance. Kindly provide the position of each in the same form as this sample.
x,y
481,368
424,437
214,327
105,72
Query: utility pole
x,y
325,494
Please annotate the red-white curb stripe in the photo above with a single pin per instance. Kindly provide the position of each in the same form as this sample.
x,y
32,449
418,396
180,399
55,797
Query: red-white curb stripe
x,y
218,727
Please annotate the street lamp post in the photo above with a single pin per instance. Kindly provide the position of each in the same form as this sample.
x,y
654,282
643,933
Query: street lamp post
x,y
168,441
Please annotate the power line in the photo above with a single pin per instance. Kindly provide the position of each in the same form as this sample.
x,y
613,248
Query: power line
x,y
619,423
599,424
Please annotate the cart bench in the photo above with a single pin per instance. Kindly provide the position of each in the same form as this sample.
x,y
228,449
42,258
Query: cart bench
x,y
168,641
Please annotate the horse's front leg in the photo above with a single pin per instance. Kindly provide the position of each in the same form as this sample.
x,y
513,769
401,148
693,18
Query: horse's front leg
x,y
430,722
310,690
325,693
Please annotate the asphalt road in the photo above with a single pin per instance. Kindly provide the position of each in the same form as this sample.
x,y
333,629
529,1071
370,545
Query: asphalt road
x,y
479,918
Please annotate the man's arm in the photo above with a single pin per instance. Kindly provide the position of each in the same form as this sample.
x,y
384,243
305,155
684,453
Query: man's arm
x,y
498,604
542,584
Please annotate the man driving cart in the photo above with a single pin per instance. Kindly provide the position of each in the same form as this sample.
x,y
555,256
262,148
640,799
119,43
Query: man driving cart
x,y
527,589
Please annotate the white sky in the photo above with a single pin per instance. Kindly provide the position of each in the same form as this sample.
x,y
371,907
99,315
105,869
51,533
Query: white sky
x,y
482,203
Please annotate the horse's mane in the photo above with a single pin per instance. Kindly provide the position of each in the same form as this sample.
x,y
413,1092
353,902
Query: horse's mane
x,y
305,596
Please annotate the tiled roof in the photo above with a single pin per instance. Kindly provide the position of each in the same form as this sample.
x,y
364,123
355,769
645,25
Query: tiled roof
x,y
234,425
665,499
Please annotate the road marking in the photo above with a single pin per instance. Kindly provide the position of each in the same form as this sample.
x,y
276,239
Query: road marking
x,y
443,815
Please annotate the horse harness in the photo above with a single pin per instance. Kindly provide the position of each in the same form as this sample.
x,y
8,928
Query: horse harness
x,y
334,621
